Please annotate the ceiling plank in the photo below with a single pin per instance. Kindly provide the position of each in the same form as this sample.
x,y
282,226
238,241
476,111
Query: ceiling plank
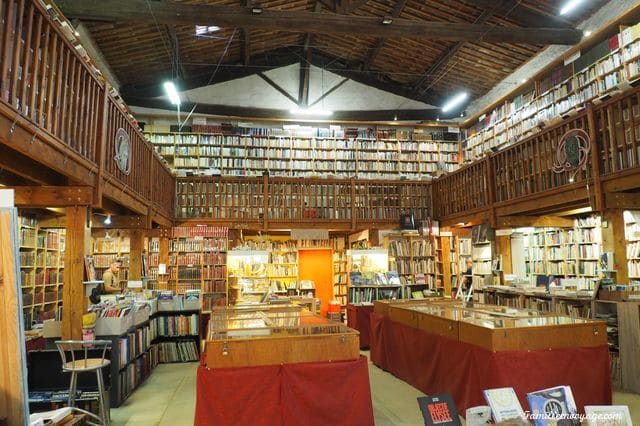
x,y
437,67
397,10
301,21
53,196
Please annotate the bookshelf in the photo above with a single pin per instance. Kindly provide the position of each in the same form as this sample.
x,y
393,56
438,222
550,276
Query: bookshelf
x,y
198,261
105,249
482,257
176,335
412,153
247,275
416,260
41,270
340,274
632,237
367,276
599,71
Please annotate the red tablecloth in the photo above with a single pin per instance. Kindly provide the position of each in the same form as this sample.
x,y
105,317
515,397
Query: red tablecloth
x,y
436,364
358,318
317,393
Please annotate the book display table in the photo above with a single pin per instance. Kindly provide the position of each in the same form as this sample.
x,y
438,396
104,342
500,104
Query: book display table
x,y
443,347
268,365
358,319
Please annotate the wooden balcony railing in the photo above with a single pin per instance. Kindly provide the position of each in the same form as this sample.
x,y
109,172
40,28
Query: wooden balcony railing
x,y
462,191
308,201
47,84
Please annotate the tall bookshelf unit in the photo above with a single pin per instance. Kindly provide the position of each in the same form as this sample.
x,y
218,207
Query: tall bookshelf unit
x,y
632,236
482,257
306,152
597,72
369,262
107,248
41,270
198,261
417,261
340,274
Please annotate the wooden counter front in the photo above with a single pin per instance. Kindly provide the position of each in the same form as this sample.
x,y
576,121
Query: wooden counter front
x,y
592,333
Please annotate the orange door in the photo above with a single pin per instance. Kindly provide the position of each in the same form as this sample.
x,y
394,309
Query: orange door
x,y
317,265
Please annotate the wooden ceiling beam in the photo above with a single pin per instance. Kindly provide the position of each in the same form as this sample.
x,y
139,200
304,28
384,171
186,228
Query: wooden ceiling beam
x,y
53,196
233,111
300,21
397,10
174,51
245,39
277,87
537,221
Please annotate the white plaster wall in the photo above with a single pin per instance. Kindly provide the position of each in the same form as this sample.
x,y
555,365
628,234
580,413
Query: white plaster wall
x,y
607,13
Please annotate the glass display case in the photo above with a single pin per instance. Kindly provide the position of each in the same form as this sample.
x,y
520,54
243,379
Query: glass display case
x,y
243,336
496,328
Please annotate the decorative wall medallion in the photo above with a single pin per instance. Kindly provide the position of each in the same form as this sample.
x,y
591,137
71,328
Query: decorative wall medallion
x,y
572,152
123,151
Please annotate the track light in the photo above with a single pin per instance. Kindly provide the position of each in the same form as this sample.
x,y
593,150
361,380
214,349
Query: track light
x,y
107,220
569,6
257,10
387,20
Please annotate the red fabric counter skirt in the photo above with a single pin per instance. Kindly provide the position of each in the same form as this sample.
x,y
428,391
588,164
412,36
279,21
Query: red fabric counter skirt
x,y
436,364
358,319
317,393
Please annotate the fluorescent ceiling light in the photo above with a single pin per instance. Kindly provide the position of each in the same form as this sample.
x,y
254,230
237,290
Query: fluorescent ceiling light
x,y
170,88
204,29
587,33
310,111
456,101
107,220
387,20
569,6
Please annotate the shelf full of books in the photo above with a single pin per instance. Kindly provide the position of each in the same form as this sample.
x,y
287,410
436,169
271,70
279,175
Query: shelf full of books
x,y
594,73
632,236
369,278
416,260
41,257
362,153
107,246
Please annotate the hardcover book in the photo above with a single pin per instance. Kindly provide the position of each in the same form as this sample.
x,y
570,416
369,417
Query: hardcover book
x,y
504,404
439,410
553,406
608,415
393,278
478,416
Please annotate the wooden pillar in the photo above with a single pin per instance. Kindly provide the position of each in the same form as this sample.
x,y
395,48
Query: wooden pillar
x,y
136,241
73,298
503,247
445,242
163,258
613,240
13,375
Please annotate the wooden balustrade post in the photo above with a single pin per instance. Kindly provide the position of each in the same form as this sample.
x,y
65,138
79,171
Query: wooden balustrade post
x,y
102,114
265,202
353,205
73,298
595,159
490,188
6,51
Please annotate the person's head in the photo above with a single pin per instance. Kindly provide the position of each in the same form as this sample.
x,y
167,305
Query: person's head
x,y
115,265
469,263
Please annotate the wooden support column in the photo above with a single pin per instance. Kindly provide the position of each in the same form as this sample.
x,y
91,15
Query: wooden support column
x,y
12,356
136,241
73,298
163,256
595,160
613,240
445,243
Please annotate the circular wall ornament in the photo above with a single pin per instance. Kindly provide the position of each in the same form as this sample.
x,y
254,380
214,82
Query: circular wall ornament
x,y
122,156
572,152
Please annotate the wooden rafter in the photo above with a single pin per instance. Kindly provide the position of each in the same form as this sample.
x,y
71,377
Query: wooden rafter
x,y
174,50
277,87
301,21
245,38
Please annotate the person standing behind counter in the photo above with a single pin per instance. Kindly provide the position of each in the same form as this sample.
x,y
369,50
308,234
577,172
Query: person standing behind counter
x,y
110,277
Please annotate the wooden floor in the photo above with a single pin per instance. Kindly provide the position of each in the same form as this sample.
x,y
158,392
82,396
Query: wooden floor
x,y
168,398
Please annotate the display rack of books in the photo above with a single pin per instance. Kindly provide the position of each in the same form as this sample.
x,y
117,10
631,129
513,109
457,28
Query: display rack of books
x,y
106,249
482,257
176,326
340,276
369,278
198,261
594,72
248,280
632,236
41,270
464,254
393,153
415,258
132,354
282,270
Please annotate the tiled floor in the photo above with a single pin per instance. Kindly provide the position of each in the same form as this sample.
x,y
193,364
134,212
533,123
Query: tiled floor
x,y
168,398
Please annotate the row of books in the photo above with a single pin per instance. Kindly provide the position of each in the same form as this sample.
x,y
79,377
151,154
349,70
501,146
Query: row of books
x,y
178,325
368,295
135,343
182,351
199,231
136,372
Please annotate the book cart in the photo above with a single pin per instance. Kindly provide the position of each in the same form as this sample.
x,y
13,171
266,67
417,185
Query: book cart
x,y
442,346
284,364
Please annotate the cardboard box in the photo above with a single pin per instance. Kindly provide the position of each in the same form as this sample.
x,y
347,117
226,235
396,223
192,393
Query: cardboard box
x,y
113,326
140,316
617,296
52,329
